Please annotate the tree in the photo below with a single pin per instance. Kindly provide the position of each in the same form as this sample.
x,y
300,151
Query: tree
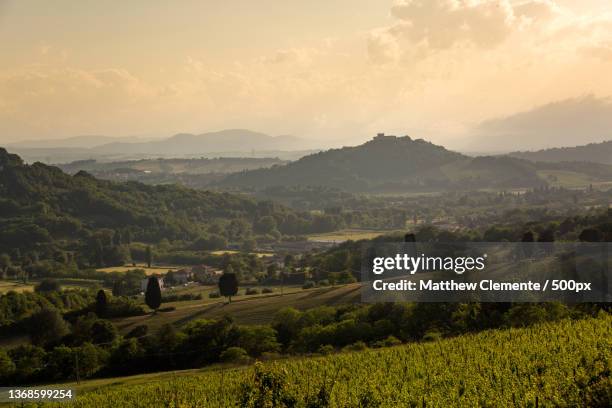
x,y
103,331
248,245
527,239
228,285
149,256
47,326
265,225
547,237
5,263
590,235
119,288
48,285
101,303
153,295
7,367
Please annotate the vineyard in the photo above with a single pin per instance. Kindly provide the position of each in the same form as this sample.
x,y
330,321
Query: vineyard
x,y
557,364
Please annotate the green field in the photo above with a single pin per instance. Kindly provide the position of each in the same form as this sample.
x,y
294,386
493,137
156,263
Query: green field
x,y
8,285
153,270
67,283
255,309
571,179
349,234
559,364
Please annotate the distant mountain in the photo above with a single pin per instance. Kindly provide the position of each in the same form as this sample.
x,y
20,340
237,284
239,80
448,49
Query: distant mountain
x,y
171,166
186,144
225,143
389,163
594,153
195,173
564,123
76,142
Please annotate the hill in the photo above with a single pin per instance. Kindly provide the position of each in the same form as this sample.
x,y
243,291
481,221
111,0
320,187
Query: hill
x,y
75,142
569,122
219,165
48,214
593,152
229,143
186,144
389,163
567,359
195,173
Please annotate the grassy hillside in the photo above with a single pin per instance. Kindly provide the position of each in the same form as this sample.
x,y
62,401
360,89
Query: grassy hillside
x,y
558,364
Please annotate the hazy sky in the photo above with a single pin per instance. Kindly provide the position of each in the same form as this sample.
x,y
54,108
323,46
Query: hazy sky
x,y
321,69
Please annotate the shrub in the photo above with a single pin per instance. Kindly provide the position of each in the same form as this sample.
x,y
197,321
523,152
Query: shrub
x,y
432,335
123,307
167,309
388,342
47,326
267,290
269,355
324,282
214,295
175,297
326,349
357,346
308,285
234,355
268,388
7,367
48,285
138,331
252,291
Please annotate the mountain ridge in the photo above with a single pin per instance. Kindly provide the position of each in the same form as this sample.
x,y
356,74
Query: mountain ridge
x,y
592,152
390,163
229,141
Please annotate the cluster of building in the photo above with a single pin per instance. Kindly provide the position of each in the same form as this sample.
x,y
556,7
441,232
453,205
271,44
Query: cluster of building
x,y
203,274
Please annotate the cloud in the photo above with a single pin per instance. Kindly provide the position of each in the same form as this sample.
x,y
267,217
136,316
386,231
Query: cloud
x,y
40,99
427,26
601,51
569,122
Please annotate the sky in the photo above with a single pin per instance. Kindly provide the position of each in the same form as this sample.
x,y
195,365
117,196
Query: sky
x,y
463,73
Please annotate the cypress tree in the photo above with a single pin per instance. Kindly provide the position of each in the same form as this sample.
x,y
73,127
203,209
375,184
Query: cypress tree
x,y
101,303
153,295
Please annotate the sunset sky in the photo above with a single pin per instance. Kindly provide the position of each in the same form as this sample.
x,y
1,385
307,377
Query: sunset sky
x,y
334,71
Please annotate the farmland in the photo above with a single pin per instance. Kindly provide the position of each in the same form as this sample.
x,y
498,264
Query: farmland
x,y
556,364
348,234
153,270
258,309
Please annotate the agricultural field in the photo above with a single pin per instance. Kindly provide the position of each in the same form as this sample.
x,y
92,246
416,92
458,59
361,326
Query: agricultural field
x,y
154,269
8,285
554,364
251,309
571,179
348,234
67,283
222,252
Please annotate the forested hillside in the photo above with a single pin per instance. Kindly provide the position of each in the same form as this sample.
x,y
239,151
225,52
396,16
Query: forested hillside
x,y
389,163
45,213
